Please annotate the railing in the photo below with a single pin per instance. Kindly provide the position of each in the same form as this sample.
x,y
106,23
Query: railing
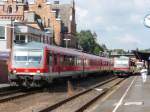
x,y
12,17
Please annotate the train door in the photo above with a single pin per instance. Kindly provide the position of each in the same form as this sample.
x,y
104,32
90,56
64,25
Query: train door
x,y
49,61
55,62
61,62
83,69
58,63
99,65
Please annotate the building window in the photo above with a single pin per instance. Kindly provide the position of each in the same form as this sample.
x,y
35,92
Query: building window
x,y
20,38
2,33
9,10
1,7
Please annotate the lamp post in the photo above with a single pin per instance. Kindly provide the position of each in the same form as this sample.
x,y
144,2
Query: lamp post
x,y
66,41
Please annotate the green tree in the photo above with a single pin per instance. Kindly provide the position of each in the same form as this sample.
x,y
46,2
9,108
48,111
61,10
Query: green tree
x,y
87,42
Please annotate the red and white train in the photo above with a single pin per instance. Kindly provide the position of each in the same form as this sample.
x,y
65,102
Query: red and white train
x,y
123,66
33,63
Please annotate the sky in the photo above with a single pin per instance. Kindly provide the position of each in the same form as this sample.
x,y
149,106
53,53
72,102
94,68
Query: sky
x,y
117,23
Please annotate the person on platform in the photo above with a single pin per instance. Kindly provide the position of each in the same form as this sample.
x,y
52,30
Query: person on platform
x,y
144,73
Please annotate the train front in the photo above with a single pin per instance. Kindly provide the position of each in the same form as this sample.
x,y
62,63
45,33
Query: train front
x,y
122,66
26,66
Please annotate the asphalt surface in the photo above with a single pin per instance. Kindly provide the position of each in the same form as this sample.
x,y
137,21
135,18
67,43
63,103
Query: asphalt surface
x,y
133,95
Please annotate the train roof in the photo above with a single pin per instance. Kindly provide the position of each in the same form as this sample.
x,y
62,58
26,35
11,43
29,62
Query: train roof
x,y
67,51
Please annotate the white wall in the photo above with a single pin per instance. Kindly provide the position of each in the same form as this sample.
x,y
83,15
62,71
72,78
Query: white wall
x,y
3,45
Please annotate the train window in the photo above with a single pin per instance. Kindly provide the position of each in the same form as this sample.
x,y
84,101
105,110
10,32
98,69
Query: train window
x,y
86,62
75,61
34,56
61,59
2,32
49,58
20,58
79,62
55,59
71,60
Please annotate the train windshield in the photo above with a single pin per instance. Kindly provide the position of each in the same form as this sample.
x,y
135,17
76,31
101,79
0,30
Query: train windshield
x,y
28,58
121,63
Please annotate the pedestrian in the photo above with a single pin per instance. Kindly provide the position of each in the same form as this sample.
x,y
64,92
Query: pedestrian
x,y
144,73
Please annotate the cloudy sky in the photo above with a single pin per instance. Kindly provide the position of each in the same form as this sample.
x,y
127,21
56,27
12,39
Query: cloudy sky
x,y
118,23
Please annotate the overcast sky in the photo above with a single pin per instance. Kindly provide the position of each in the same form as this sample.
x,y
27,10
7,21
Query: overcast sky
x,y
118,23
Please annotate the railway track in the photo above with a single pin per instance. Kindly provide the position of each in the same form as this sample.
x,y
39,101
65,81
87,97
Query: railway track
x,y
83,99
9,91
16,93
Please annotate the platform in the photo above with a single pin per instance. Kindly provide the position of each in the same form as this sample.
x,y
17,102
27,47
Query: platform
x,y
131,96
4,86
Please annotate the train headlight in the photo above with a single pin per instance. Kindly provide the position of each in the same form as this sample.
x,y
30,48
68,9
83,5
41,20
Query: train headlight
x,y
38,71
14,71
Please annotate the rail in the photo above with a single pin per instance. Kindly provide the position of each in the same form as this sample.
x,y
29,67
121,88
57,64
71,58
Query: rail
x,y
81,108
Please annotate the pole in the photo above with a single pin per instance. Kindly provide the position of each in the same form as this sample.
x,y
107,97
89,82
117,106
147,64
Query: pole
x,y
13,37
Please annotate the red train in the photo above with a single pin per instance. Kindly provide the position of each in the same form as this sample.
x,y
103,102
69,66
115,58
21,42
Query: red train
x,y
33,64
123,66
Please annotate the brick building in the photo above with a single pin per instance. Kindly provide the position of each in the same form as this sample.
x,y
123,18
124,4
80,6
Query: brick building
x,y
53,17
36,20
